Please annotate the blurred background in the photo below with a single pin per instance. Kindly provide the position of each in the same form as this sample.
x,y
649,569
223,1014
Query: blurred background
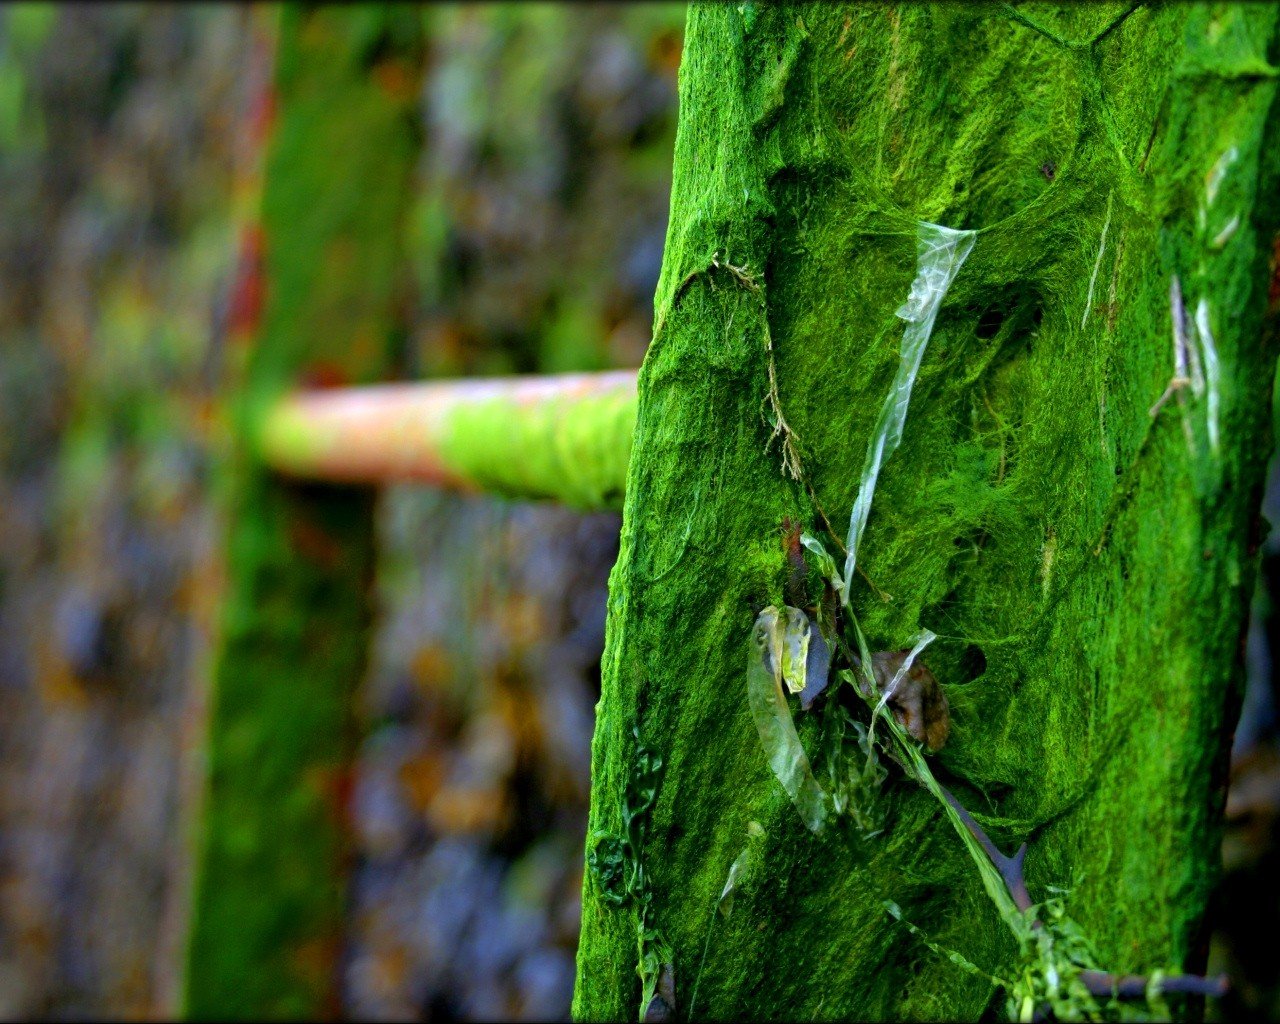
x,y
537,233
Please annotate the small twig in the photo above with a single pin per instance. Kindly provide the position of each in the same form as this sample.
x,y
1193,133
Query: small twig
x,y
790,457
1186,360
745,277
886,597
1134,986
1177,384
1186,353
835,538
1010,868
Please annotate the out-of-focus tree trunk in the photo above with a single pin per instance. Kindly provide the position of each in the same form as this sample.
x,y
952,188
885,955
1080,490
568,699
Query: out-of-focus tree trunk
x,y
1083,550
325,264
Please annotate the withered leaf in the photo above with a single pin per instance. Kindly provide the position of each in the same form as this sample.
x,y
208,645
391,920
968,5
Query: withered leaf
x,y
918,702
817,669
662,1007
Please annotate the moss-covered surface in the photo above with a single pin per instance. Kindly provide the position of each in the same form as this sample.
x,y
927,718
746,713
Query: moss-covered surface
x,y
269,893
569,441
575,451
1085,564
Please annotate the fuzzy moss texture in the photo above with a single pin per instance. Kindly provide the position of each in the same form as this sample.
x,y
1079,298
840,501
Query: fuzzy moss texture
x,y
269,894
1085,564
575,453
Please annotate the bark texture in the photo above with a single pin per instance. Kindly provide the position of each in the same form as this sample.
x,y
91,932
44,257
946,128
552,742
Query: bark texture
x,y
1085,563
325,271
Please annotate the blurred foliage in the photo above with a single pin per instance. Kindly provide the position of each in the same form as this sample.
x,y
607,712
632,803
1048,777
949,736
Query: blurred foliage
x,y
539,233
538,242
26,26
338,158
116,145
550,130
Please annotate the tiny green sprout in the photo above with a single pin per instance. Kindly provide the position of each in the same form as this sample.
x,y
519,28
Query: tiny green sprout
x,y
607,864
826,564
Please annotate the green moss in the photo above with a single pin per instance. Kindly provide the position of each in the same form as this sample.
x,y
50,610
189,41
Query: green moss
x,y
269,895
540,452
1085,565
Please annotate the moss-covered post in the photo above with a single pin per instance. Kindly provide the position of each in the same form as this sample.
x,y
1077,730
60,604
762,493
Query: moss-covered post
x,y
1082,548
269,891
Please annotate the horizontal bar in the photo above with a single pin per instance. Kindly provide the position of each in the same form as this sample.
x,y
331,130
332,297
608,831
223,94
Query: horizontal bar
x,y
565,437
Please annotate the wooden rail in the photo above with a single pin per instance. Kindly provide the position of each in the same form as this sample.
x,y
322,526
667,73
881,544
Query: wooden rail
x,y
566,437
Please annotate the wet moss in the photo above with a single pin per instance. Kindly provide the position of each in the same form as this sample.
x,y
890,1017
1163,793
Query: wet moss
x,y
579,459
1098,558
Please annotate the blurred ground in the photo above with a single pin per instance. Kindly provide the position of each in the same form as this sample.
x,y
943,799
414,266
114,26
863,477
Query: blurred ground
x,y
537,243
472,790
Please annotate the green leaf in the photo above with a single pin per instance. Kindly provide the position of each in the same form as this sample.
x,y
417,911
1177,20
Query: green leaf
x,y
794,648
774,724
825,563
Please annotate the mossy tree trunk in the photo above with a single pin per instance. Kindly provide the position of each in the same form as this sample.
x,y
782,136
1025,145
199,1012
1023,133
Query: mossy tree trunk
x,y
294,627
1085,563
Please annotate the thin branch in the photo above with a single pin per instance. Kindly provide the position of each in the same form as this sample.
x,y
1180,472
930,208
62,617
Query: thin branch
x,y
1134,986
452,434
1176,385
1010,868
